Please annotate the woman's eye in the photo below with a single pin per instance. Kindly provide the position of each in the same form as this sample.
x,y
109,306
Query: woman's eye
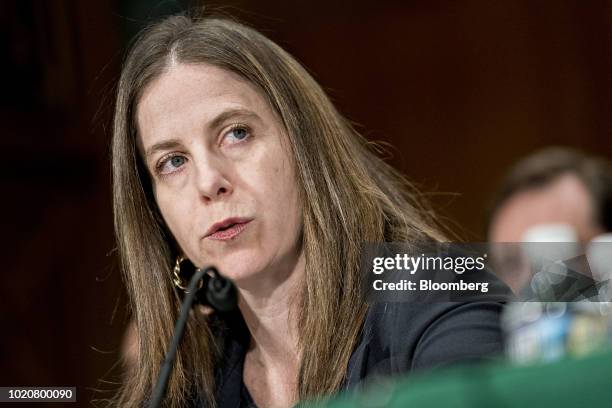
x,y
171,163
177,161
237,134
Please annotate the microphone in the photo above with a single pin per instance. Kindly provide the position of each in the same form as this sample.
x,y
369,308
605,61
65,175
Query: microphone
x,y
217,292
214,290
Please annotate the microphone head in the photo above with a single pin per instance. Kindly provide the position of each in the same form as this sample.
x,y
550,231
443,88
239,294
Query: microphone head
x,y
221,294
217,291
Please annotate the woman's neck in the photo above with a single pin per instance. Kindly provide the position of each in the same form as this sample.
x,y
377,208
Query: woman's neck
x,y
269,309
271,363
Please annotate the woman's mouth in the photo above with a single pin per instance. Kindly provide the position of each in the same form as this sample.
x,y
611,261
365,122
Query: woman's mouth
x,y
228,229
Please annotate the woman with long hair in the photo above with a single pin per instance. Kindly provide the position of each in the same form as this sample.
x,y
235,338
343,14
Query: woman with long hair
x,y
226,152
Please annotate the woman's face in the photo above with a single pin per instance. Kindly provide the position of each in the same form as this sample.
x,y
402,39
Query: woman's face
x,y
222,179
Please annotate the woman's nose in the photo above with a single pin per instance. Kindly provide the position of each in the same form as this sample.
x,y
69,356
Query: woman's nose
x,y
212,181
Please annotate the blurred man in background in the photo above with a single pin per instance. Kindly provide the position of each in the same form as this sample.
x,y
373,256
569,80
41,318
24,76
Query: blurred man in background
x,y
561,191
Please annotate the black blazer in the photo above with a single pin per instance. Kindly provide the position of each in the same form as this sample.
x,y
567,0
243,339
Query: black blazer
x,y
397,338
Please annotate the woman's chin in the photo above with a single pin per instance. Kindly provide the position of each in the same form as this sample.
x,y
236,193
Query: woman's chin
x,y
238,270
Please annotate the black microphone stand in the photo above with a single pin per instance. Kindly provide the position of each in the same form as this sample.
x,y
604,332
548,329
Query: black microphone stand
x,y
220,293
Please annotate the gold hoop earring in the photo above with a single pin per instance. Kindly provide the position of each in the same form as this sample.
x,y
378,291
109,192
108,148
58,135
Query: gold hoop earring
x,y
180,281
177,279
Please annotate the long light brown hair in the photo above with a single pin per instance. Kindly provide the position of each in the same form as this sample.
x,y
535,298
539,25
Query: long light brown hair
x,y
349,196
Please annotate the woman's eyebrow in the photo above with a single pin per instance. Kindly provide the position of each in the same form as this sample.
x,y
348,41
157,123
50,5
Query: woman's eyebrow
x,y
230,113
216,122
164,145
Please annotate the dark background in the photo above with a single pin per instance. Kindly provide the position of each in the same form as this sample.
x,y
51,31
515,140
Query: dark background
x,y
461,89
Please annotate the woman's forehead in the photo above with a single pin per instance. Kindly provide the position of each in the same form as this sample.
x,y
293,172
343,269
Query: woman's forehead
x,y
184,85
188,95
